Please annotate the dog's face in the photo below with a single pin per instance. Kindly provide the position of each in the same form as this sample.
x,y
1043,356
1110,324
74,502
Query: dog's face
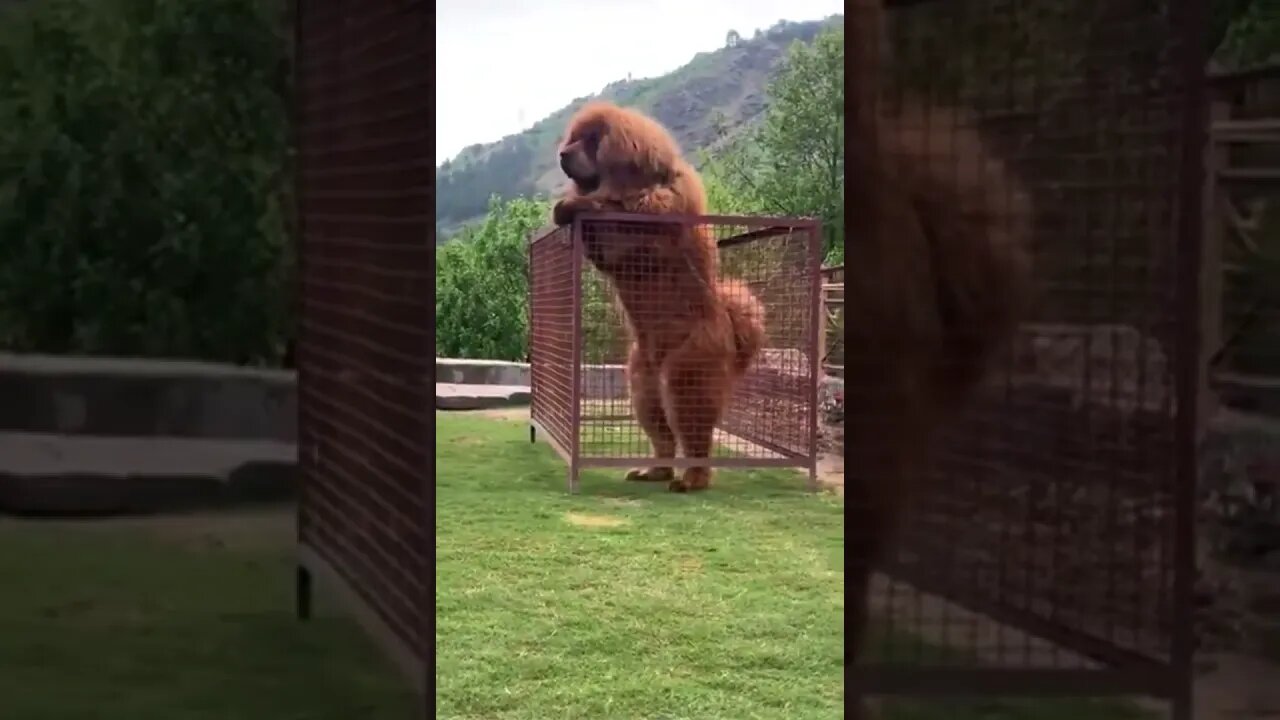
x,y
606,144
580,155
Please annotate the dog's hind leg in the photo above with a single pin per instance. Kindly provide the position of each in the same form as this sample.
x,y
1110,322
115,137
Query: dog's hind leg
x,y
646,400
697,382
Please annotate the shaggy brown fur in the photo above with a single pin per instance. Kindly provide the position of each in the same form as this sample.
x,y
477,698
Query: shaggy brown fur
x,y
936,275
692,334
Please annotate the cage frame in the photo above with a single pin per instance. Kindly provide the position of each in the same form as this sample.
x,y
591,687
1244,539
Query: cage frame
x,y
757,227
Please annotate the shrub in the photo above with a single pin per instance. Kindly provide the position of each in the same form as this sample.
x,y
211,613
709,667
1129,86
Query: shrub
x,y
143,206
482,283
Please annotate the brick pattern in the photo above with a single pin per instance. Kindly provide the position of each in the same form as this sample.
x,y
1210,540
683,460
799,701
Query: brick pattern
x,y
365,204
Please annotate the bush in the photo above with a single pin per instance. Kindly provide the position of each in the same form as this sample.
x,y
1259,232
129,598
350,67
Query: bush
x,y
482,284
143,206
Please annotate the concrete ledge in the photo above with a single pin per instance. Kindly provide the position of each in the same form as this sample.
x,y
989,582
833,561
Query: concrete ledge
x,y
1247,393
599,381
461,371
145,398
133,398
44,474
454,396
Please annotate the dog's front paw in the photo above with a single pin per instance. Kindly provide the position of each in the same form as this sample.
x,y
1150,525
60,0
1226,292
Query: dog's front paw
x,y
563,212
566,210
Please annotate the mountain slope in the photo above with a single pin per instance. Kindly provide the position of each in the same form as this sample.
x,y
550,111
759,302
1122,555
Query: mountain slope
x,y
715,92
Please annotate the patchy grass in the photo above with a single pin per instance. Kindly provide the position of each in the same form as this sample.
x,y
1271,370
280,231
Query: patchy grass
x,y
175,619
626,601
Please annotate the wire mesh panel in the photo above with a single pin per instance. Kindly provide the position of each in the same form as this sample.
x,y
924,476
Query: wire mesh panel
x,y
692,340
365,349
1047,548
553,295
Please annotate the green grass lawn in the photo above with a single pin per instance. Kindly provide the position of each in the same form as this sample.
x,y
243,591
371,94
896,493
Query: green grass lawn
x,y
626,601
182,618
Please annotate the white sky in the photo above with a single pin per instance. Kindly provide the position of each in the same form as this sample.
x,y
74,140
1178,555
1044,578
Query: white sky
x,y
502,65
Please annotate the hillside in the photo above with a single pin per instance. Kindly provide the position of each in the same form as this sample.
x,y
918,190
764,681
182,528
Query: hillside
x,y
717,91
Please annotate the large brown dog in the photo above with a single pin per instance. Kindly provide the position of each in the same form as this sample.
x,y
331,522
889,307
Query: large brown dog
x,y
936,278
692,334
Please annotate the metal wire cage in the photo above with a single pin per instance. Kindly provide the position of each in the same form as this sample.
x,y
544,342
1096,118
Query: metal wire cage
x,y
652,335
1051,547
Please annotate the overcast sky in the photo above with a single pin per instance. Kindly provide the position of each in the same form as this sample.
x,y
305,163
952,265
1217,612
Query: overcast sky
x,y
502,65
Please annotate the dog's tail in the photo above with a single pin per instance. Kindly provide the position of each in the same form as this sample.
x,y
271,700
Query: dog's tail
x,y
974,219
746,317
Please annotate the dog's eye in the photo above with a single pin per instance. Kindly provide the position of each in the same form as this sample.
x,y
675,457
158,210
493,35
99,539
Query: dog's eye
x,y
591,141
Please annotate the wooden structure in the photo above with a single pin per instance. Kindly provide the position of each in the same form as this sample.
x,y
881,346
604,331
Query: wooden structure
x,y
832,348
1241,325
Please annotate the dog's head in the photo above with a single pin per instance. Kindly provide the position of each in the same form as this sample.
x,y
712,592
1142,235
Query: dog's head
x,y
626,149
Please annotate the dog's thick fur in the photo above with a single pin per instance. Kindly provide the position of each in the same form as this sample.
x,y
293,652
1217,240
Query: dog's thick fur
x,y
692,335
936,278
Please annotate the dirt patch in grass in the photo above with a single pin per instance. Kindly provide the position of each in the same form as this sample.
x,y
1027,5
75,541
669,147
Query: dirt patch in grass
x,y
509,413
591,520
621,502
271,527
689,564
831,473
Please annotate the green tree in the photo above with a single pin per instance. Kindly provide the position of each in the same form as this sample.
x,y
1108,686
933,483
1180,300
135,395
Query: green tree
x,y
724,196
482,283
143,202
792,162
1251,34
